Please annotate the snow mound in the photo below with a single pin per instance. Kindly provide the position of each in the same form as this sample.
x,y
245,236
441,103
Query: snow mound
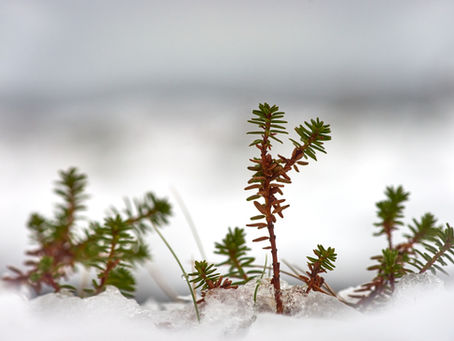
x,y
420,310
110,303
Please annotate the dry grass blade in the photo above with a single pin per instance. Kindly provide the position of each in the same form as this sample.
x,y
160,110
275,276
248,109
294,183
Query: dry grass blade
x,y
190,222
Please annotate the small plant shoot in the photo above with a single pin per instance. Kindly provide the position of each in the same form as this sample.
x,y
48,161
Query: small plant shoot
x,y
427,246
111,248
271,173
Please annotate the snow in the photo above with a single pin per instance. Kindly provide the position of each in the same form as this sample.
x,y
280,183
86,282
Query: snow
x,y
109,303
421,309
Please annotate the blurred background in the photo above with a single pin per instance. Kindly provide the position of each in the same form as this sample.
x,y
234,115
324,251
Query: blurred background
x,y
155,95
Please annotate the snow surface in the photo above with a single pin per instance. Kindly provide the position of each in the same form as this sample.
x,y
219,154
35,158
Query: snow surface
x,y
421,309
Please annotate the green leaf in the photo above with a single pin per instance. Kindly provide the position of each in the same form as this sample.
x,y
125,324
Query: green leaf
x,y
257,217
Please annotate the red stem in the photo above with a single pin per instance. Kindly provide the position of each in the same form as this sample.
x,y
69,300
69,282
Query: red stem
x,y
269,219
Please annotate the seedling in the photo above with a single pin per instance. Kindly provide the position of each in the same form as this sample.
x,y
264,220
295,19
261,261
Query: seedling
x,y
406,257
241,265
270,174
111,248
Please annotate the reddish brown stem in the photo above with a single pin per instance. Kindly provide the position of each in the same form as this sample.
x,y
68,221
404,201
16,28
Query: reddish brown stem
x,y
266,162
298,154
276,272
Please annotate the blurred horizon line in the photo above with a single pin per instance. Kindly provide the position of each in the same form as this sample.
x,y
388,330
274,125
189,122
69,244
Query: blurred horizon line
x,y
435,91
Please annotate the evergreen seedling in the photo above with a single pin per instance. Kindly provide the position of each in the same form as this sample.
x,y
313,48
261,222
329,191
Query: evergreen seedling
x,y
207,278
234,247
397,260
111,248
322,263
240,266
271,173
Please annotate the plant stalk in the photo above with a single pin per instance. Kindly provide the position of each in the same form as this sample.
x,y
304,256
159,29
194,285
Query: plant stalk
x,y
266,163
185,275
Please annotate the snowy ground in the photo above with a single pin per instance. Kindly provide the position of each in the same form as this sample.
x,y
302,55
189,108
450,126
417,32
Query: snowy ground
x,y
420,310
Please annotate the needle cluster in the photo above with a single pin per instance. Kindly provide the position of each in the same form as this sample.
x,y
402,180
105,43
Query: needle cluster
x,y
234,248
